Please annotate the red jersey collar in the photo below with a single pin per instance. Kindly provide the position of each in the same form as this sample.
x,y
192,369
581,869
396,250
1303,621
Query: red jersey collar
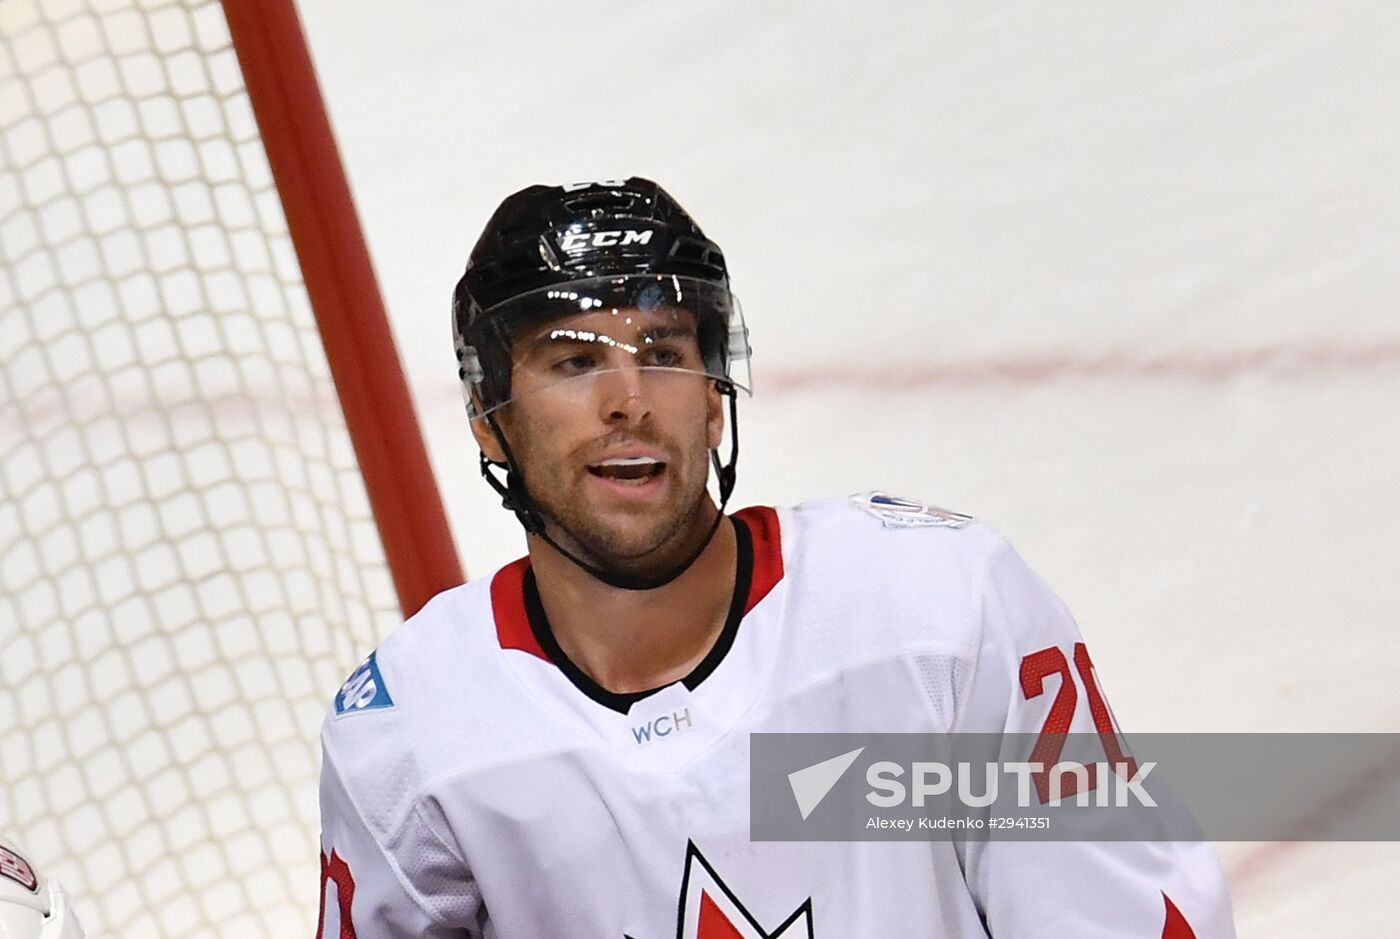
x,y
508,586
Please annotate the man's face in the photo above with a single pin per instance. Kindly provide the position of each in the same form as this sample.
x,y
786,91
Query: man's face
x,y
611,420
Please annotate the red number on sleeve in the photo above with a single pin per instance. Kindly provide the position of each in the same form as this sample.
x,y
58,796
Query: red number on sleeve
x,y
335,870
1035,668
1122,764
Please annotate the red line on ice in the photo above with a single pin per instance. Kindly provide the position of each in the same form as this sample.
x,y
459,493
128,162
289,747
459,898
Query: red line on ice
x,y
1204,366
1316,824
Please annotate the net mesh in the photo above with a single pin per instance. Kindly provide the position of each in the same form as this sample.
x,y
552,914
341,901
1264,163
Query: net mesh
x,y
188,565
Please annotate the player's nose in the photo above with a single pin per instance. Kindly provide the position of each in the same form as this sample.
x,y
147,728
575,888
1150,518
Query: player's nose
x,y
623,391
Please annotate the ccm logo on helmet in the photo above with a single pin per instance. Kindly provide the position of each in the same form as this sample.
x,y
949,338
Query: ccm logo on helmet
x,y
577,240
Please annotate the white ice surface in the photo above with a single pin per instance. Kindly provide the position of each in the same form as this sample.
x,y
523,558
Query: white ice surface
x,y
1120,278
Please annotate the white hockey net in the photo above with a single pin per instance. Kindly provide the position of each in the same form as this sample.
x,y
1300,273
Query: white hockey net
x,y
188,566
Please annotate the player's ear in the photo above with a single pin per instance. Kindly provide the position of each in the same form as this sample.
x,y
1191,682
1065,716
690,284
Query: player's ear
x,y
714,416
486,440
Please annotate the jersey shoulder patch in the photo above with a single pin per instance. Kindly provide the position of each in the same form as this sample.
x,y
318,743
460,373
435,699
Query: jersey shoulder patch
x,y
899,512
364,690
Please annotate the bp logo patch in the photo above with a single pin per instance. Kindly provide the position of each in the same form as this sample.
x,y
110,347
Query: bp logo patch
x,y
897,512
364,690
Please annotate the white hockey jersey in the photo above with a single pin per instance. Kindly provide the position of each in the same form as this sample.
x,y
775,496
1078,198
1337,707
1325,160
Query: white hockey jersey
x,y
476,783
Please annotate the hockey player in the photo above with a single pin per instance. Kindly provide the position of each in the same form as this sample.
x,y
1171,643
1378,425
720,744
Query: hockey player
x,y
31,905
562,748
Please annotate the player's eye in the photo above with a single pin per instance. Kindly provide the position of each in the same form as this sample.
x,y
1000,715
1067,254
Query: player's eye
x,y
576,364
664,357
674,352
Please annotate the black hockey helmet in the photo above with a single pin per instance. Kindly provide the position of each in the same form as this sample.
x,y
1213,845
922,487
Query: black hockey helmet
x,y
552,251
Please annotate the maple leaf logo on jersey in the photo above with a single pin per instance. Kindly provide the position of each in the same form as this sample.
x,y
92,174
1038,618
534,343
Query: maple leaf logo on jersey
x,y
710,910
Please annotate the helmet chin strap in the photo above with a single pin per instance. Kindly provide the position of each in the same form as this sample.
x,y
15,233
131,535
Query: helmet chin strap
x,y
516,498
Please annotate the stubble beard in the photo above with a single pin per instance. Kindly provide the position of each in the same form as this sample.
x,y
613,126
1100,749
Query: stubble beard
x,y
679,524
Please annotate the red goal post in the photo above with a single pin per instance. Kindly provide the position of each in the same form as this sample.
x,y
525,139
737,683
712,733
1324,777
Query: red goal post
x,y
214,498
335,264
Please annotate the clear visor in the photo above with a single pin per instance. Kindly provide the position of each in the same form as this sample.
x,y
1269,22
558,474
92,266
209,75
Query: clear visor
x,y
638,334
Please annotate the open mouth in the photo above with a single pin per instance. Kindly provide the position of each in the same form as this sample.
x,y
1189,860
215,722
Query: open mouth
x,y
628,469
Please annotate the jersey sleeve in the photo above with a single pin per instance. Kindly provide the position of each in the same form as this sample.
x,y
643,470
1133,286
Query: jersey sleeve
x,y
412,888
1029,647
